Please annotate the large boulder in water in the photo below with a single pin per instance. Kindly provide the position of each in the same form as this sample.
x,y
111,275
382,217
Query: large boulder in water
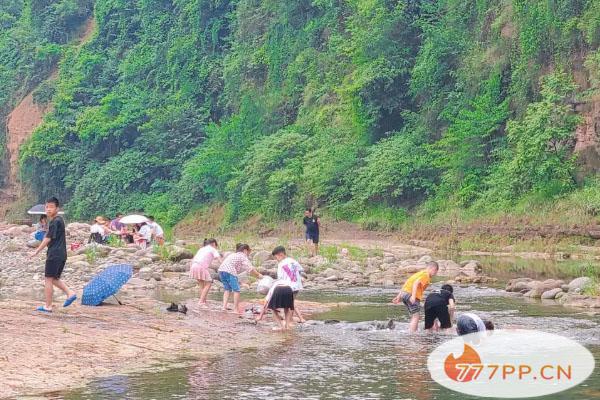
x,y
518,284
533,293
579,284
448,268
520,287
471,267
546,285
551,294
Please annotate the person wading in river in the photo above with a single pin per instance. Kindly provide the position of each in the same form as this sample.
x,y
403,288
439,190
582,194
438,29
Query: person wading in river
x,y
280,296
412,293
439,309
56,257
289,271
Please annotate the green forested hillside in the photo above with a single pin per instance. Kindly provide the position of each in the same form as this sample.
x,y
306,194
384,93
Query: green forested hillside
x,y
370,108
33,35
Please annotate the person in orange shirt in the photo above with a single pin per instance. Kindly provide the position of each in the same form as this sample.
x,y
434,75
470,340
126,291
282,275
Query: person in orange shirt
x,y
412,292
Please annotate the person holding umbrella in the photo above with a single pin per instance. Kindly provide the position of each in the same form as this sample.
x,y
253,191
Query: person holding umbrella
x,y
56,257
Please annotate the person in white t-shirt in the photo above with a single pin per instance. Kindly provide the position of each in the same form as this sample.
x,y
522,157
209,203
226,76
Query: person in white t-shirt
x,y
289,270
144,235
157,231
98,231
199,269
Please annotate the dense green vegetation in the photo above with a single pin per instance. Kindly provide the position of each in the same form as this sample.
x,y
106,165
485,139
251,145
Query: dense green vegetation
x,y
371,108
33,35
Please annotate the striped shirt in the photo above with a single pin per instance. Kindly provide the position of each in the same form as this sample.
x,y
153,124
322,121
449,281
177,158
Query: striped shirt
x,y
235,264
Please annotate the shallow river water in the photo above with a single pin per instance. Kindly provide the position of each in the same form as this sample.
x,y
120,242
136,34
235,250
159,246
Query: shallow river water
x,y
350,359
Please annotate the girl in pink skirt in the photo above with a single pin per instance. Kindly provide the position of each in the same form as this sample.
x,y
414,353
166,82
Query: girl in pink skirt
x,y
200,268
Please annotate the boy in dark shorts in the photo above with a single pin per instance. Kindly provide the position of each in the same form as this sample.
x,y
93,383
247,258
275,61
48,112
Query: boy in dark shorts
x,y
439,306
56,256
312,223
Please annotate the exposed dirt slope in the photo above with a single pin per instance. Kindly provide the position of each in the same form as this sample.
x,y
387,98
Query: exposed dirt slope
x,y
21,122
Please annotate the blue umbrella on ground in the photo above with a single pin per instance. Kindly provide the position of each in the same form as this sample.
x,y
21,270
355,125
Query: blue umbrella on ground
x,y
107,283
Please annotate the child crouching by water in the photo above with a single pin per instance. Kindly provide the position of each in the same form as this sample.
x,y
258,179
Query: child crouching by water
x,y
233,265
412,293
199,269
280,296
289,271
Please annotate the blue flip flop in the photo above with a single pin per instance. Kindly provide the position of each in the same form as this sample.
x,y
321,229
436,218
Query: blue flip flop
x,y
70,300
43,309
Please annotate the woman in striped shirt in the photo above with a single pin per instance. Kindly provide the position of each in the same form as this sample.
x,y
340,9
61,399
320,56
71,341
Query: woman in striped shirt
x,y
233,265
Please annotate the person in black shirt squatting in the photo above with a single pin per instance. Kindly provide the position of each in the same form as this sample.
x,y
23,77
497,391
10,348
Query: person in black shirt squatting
x,y
312,222
56,257
439,306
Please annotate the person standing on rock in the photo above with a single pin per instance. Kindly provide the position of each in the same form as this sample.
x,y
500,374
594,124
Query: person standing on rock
x,y
200,265
56,257
312,223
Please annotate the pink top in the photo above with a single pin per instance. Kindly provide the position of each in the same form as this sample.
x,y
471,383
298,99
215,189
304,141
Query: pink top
x,y
236,263
205,256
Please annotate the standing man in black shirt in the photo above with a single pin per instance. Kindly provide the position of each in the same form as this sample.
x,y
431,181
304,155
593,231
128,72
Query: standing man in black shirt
x,y
56,257
312,223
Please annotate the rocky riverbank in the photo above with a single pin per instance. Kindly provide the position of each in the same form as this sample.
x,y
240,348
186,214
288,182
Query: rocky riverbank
x,y
86,342
166,268
580,292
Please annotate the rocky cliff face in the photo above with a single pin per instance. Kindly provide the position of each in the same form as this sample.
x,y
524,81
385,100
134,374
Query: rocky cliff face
x,y
587,137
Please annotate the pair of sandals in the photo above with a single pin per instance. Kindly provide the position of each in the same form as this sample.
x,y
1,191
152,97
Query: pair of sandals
x,y
182,308
67,303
